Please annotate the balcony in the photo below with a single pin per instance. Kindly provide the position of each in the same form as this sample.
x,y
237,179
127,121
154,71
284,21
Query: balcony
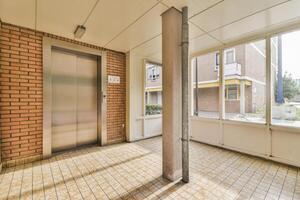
x,y
232,69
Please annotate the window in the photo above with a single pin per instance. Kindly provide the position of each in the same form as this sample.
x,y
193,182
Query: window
x,y
217,62
245,82
232,92
206,86
244,75
217,59
153,73
229,56
285,76
153,89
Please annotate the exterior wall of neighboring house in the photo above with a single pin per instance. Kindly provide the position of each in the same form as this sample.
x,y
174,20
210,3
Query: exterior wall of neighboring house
x,y
252,61
153,85
208,100
21,81
206,68
249,99
274,66
150,81
258,96
155,98
255,69
233,106
240,54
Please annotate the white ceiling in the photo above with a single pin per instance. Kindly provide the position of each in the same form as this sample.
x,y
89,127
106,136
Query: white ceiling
x,y
135,25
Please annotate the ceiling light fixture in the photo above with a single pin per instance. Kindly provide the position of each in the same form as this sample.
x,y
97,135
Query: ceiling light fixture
x,y
79,31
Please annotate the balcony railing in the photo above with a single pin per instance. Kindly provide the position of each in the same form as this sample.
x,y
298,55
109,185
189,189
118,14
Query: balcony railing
x,y
232,69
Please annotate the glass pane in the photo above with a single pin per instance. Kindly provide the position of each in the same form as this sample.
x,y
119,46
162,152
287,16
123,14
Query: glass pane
x,y
245,82
206,85
232,91
153,89
286,79
229,56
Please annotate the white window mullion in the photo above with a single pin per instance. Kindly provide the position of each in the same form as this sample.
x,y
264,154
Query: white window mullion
x,y
221,95
269,92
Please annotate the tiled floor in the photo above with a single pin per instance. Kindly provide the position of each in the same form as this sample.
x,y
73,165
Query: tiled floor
x,y
133,171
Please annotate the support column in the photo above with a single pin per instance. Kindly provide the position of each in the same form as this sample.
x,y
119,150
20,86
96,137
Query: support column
x,y
185,96
242,97
172,94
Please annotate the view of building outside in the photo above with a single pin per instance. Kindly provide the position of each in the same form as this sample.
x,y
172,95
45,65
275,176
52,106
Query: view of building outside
x,y
286,80
206,85
245,83
245,80
153,89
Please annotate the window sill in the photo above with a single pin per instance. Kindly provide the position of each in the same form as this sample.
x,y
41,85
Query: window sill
x,y
152,116
283,128
246,123
200,118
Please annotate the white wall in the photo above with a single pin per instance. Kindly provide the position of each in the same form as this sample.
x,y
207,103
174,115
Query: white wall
x,y
277,143
138,125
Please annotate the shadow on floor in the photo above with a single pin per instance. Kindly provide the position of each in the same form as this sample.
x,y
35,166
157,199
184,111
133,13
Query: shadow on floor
x,y
65,181
158,188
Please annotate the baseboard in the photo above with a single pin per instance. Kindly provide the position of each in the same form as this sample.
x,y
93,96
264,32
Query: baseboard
x,y
144,138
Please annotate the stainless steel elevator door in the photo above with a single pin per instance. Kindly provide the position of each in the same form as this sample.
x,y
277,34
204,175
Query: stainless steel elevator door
x,y
74,100
86,100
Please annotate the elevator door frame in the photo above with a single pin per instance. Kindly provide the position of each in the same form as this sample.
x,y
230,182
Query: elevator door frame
x,y
48,45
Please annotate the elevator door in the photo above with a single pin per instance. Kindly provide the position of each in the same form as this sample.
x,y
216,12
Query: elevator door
x,y
74,99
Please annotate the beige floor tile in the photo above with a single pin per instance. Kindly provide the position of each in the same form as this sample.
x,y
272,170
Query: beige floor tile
x,y
133,171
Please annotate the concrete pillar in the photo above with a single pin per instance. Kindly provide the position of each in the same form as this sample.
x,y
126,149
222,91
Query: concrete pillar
x,y
172,94
242,97
185,95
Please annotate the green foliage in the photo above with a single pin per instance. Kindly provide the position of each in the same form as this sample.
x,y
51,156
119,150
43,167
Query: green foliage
x,y
290,87
153,109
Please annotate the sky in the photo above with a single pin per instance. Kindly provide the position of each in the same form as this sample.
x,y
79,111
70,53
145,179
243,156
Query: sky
x,y
291,53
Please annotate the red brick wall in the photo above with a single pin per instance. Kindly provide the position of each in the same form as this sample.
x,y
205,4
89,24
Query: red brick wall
x,y
208,99
116,98
21,94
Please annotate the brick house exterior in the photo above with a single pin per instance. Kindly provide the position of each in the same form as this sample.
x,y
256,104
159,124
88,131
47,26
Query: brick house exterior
x,y
21,90
247,68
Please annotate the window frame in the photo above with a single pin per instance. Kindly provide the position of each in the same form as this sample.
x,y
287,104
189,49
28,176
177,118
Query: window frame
x,y
237,93
266,35
217,61
144,75
154,75
225,56
285,124
212,57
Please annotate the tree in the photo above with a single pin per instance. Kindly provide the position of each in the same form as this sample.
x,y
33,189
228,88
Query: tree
x,y
290,87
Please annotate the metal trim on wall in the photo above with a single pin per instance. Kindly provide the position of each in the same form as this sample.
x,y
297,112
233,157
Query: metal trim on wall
x,y
48,44
102,130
